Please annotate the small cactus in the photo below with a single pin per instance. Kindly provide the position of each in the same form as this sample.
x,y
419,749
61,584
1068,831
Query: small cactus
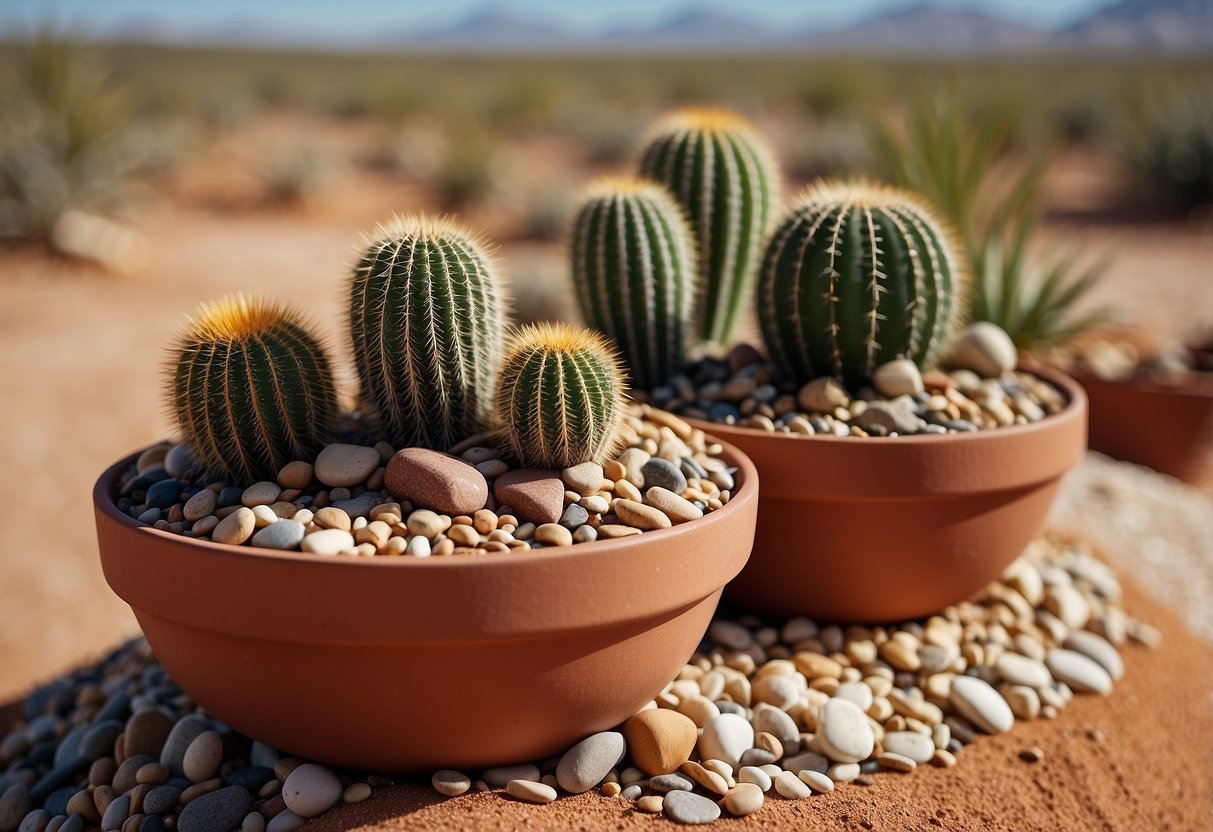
x,y
560,397
725,177
426,318
857,275
250,389
634,271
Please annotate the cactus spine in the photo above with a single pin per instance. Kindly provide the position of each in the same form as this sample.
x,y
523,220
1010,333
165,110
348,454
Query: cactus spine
x,y
250,389
722,173
426,320
633,268
857,275
560,397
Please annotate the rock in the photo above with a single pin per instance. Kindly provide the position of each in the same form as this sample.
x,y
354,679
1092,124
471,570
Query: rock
x,y
432,480
895,762
673,782
979,703
116,813
985,349
660,740
755,775
743,799
220,811
856,692
1081,673
661,473
205,753
260,494
726,738
574,517
345,466
359,506
822,395
529,791
843,732
1099,649
535,494
639,516
200,505
918,747
553,534
900,377
297,474
285,534
689,808
146,733
164,494
285,821
15,804
236,528
1069,605
326,541
650,804
450,783
894,416
251,778
99,740
178,461
778,724
790,786
673,506
587,763
253,822
498,777
160,800
311,790
585,479
184,732
1021,670
35,821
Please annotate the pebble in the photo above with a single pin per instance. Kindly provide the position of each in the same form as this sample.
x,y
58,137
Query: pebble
x,y
726,737
160,800
345,465
790,786
1098,649
200,505
1021,670
1081,673
662,473
665,783
553,534
755,775
917,747
203,756
822,395
450,783
660,740
332,518
639,516
327,541
183,732
433,480
587,763
236,528
356,793
585,479
816,781
497,777
15,804
844,732
283,535
981,704
219,811
35,821
116,813
1032,754
896,762
297,475
650,804
311,790
534,493
690,808
98,741
743,799
178,461
900,377
285,821
260,494
984,348
677,508
529,791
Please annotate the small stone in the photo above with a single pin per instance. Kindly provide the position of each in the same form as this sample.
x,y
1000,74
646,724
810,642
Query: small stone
x,y
219,811
1098,649
15,804
790,786
450,783
98,741
894,416
332,518
673,506
184,732
816,781
535,494
1081,673
345,466
260,494
726,737
285,534
743,799
553,534
585,479
822,395
253,822
986,349
236,528
205,753
896,762
587,763
164,494
660,740
639,516
356,793
674,781
146,732
529,791
981,704
285,821
200,505
297,474
35,821
1021,670
844,732
311,789
116,813
662,473
326,542
161,800
574,517
497,777
633,461
900,377
650,804
1032,754
690,808
918,747
711,780
433,480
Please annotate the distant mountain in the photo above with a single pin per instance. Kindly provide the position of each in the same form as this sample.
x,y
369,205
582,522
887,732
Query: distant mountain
x,y
1171,24
492,27
928,27
695,28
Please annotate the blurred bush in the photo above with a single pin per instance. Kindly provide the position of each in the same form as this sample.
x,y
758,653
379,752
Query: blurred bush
x,y
1166,146
291,175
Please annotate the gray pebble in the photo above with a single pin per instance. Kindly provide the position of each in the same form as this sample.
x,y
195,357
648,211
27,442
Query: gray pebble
x,y
178,462
35,821
15,804
124,777
584,766
665,474
116,813
219,811
1098,649
286,821
69,746
632,792
285,534
73,824
152,823
146,733
574,516
690,808
99,741
359,506
664,783
160,800
184,732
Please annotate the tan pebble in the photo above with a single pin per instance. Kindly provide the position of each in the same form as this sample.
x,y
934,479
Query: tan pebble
x,y
1033,754
675,507
203,756
530,791
651,804
356,793
790,786
199,789
813,665
484,521
264,516
152,774
376,533
901,655
613,470
327,542
611,789
743,799
895,762
710,780
595,504
260,494
463,535
943,758
199,506
816,781
344,466
584,479
613,530
297,474
236,528
82,803
450,783
640,516
660,740
553,534
427,523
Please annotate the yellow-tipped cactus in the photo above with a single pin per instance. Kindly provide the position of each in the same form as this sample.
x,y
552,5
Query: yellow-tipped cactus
x,y
427,320
560,397
250,389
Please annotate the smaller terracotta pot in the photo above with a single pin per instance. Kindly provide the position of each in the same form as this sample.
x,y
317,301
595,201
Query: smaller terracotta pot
x,y
876,530
407,665
1167,427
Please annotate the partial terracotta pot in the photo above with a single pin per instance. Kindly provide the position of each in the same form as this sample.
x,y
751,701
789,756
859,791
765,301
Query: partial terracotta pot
x,y
1168,427
878,530
406,665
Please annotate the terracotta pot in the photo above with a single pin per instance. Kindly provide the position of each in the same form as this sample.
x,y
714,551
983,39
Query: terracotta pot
x,y
405,665
887,529
1168,427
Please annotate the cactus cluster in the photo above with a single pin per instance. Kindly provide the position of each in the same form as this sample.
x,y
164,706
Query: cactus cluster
x,y
633,267
250,388
855,276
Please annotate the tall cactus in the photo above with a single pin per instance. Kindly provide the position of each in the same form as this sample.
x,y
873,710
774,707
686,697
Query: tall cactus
x,y
725,177
250,388
855,276
426,318
634,271
560,397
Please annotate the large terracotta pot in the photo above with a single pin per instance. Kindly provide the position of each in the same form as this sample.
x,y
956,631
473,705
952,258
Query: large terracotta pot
x,y
1168,427
404,665
886,529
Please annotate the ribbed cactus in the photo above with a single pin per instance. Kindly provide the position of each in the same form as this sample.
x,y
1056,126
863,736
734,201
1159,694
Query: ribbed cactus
x,y
634,271
722,173
426,318
250,388
857,275
560,396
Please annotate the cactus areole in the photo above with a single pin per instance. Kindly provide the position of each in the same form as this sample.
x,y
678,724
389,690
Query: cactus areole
x,y
857,275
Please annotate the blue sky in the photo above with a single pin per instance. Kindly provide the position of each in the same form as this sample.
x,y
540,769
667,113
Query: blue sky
x,y
351,18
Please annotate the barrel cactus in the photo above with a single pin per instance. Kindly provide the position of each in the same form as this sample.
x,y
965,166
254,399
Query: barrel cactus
x,y
857,275
250,388
426,318
723,174
634,271
560,396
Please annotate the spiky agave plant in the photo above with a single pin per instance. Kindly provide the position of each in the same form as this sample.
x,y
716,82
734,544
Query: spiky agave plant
x,y
560,397
724,176
427,320
857,275
250,388
634,270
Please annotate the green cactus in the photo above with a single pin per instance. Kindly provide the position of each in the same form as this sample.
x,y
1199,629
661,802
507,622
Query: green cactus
x,y
250,389
426,318
725,177
560,398
634,271
857,275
